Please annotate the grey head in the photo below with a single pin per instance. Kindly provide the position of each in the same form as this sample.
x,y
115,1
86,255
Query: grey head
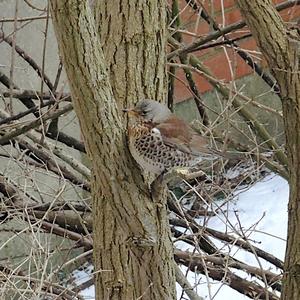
x,y
152,111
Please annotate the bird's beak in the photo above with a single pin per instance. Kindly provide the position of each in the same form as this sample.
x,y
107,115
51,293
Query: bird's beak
x,y
131,112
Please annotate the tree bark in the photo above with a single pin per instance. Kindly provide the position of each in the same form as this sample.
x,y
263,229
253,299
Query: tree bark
x,y
133,254
133,39
280,46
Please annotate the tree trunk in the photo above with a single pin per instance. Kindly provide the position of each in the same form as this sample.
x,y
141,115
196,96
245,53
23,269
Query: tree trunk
x,y
280,46
134,44
133,254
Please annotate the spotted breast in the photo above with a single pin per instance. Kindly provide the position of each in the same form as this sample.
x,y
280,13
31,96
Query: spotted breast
x,y
152,154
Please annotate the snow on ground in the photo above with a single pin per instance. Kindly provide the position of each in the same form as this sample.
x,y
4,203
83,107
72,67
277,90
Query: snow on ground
x,y
89,293
262,212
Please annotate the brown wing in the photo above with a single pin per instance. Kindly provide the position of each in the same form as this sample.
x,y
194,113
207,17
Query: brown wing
x,y
176,133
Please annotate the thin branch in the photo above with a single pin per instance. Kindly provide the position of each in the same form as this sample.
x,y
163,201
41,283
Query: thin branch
x,y
215,35
243,54
67,140
34,7
35,95
214,81
29,60
47,287
185,285
198,229
13,54
25,113
74,236
6,82
238,105
13,195
49,163
250,289
44,56
67,219
5,20
13,134
27,101
59,152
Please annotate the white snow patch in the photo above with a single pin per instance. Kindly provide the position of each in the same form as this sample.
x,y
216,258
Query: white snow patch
x,y
261,214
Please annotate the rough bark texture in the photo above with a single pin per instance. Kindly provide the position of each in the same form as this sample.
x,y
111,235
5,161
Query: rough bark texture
x,y
133,254
133,38
280,47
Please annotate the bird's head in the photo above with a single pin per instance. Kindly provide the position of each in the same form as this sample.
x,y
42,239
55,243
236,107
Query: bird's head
x,y
150,111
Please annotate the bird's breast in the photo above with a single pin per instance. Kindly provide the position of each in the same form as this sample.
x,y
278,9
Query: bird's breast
x,y
152,154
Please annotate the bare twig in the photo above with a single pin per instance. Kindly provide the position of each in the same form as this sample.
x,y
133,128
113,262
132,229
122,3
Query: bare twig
x,y
21,130
185,285
25,19
250,289
213,36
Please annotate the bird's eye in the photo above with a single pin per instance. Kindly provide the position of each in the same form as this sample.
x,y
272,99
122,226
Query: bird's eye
x,y
143,113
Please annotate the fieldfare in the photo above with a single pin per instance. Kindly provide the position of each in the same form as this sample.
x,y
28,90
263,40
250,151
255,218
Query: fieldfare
x,y
160,141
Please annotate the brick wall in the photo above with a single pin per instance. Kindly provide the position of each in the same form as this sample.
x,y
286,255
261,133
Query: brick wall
x,y
224,63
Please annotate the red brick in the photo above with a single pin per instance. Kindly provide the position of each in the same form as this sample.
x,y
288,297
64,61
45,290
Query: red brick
x,y
181,89
291,14
278,1
217,5
231,16
215,59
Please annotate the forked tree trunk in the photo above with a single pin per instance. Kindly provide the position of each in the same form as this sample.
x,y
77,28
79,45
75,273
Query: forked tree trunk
x,y
133,254
281,48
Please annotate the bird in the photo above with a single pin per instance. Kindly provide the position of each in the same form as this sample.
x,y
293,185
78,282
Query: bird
x,y
160,141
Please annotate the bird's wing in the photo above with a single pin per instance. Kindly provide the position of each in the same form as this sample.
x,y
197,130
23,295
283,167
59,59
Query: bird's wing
x,y
178,134
200,145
